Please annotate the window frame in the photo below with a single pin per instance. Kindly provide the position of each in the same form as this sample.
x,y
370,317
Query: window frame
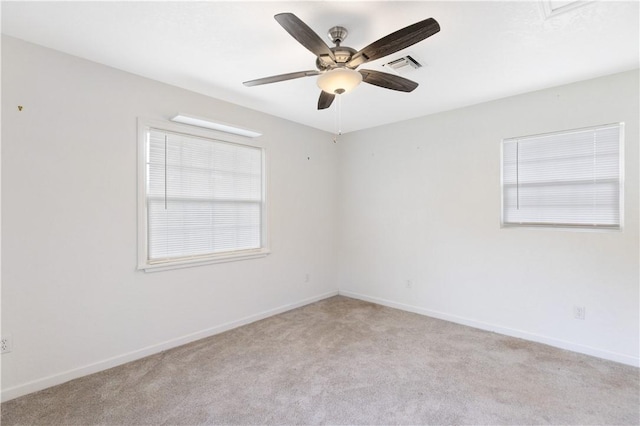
x,y
146,124
564,226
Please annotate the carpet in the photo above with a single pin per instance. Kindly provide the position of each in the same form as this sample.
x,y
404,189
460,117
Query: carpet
x,y
345,361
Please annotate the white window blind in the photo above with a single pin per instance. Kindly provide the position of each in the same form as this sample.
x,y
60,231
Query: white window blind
x,y
203,197
565,179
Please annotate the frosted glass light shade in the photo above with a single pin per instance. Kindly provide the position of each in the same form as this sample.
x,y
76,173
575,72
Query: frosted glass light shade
x,y
339,80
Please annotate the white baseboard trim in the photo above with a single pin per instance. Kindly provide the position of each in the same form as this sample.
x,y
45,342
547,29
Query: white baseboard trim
x,y
57,379
562,344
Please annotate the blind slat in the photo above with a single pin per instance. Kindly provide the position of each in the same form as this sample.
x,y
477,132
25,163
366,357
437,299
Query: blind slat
x,y
203,196
571,178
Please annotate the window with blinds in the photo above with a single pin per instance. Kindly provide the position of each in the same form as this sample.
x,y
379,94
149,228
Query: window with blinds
x,y
204,198
569,179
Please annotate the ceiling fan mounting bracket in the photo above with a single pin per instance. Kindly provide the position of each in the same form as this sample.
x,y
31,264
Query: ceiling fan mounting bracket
x,y
337,34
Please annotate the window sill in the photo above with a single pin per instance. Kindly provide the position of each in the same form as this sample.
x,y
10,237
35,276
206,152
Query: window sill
x,y
200,261
562,227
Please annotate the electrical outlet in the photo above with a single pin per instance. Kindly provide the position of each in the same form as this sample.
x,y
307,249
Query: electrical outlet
x,y
579,312
409,284
306,278
5,344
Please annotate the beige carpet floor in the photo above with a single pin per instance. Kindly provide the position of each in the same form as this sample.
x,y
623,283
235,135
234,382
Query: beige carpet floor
x,y
344,361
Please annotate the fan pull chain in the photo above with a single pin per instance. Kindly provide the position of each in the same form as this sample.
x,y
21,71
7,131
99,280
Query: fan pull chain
x,y
338,118
517,176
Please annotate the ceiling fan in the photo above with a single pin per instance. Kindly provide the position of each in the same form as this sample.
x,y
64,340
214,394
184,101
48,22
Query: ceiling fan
x,y
336,66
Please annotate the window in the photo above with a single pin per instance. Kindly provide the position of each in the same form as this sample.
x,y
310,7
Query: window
x,y
201,197
567,179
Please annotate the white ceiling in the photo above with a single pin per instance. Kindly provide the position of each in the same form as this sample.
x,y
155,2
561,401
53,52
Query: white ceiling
x,y
484,51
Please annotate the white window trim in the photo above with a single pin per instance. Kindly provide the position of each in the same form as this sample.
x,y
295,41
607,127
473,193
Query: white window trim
x,y
549,11
565,227
144,124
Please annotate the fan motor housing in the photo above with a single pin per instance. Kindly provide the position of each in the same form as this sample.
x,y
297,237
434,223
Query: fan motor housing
x,y
342,54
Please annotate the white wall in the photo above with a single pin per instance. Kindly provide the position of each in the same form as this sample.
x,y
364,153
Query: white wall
x,y
420,201
71,295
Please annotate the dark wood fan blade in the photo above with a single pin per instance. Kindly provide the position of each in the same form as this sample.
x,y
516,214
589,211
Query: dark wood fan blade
x,y
395,41
281,77
388,81
305,35
326,99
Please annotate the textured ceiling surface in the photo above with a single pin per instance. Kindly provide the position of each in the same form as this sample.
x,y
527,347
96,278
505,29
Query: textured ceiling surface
x,y
484,51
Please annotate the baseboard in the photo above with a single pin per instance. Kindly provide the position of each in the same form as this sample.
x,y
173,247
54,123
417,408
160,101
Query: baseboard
x,y
57,379
575,347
